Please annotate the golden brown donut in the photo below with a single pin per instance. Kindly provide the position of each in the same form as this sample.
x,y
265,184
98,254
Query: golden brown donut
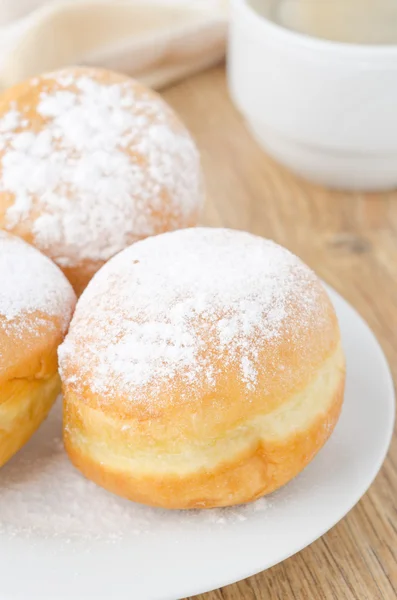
x,y
202,368
36,304
90,162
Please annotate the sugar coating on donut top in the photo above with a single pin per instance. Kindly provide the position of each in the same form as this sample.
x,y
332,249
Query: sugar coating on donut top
x,y
30,284
98,163
182,306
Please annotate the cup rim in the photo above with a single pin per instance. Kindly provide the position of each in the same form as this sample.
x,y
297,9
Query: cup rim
x,y
311,42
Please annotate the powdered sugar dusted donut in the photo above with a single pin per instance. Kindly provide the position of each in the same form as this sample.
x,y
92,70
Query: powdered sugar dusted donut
x,y
202,368
90,162
36,304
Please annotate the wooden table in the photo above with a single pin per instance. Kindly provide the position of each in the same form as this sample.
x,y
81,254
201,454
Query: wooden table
x,y
351,241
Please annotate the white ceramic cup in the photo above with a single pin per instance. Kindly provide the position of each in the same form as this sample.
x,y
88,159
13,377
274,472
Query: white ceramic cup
x,y
325,109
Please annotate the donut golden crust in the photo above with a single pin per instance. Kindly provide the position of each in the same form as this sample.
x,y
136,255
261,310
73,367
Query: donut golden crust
x,y
209,376
36,303
90,162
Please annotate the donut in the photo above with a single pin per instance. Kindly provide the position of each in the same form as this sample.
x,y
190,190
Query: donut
x,y
202,368
36,304
90,162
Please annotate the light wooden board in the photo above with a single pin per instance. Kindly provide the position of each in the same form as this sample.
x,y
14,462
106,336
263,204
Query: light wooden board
x,y
350,240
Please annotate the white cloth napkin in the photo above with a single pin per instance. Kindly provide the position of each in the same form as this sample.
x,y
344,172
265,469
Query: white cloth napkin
x,y
157,42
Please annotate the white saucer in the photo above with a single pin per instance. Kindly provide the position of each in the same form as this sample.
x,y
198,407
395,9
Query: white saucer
x,y
62,537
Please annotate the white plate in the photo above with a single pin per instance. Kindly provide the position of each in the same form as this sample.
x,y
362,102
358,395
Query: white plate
x,y
61,537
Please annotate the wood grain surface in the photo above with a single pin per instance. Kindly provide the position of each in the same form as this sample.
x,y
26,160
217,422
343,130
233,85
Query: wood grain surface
x,y
349,239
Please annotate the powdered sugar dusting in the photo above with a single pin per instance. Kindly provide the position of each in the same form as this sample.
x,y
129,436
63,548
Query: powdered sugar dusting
x,y
43,496
184,306
31,283
109,164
